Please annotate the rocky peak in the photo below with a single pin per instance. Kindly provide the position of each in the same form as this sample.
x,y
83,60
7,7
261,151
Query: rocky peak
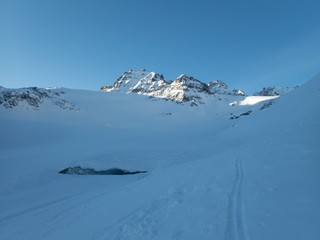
x,y
129,79
136,81
219,87
183,89
150,82
188,83
183,78
33,98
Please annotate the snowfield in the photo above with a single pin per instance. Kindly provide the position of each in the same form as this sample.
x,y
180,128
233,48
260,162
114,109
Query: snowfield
x,y
208,176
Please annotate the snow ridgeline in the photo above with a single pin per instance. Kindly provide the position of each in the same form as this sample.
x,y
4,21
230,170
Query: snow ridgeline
x,y
183,89
274,91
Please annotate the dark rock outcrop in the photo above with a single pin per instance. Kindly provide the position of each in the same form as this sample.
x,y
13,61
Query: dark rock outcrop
x,y
33,97
91,171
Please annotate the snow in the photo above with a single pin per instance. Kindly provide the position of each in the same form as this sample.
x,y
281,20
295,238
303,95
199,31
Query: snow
x,y
208,177
252,100
184,89
274,91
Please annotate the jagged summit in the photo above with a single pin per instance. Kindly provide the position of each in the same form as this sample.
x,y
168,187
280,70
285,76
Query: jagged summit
x,y
190,83
136,81
218,84
183,89
220,87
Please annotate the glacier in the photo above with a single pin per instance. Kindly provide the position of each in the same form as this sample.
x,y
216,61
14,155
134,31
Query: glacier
x,y
208,176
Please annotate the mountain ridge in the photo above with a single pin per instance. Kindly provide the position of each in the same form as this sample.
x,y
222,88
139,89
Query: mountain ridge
x,y
274,91
182,89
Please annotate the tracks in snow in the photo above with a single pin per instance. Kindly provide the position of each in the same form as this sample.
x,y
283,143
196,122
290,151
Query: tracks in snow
x,y
236,223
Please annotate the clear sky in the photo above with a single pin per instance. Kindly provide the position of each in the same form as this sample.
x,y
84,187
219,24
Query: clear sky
x,y
84,44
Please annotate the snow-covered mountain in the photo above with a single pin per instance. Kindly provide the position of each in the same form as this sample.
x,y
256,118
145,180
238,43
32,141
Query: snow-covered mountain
x,y
274,91
33,97
220,87
183,89
145,169
139,81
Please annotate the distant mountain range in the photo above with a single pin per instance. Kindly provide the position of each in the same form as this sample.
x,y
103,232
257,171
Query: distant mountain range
x,y
184,89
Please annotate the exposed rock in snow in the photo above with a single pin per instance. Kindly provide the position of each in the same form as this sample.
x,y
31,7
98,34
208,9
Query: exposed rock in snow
x,y
274,91
183,89
33,97
220,87
139,81
91,171
240,115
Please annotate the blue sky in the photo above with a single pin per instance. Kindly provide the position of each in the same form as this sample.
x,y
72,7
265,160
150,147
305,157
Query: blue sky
x,y
85,44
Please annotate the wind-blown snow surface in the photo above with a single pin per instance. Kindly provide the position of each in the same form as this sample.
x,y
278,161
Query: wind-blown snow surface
x,y
208,177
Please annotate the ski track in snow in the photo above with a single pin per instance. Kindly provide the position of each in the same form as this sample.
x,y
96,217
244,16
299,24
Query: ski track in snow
x,y
66,204
144,222
32,209
236,228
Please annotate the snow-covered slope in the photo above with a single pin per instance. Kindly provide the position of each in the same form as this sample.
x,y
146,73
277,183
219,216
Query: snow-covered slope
x,y
274,91
33,97
208,176
183,89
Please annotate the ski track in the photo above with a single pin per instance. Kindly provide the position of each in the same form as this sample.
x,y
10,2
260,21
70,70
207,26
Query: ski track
x,y
66,203
32,209
144,223
236,228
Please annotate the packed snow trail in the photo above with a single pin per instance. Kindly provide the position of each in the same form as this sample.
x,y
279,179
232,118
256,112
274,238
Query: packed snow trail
x,y
236,228
189,203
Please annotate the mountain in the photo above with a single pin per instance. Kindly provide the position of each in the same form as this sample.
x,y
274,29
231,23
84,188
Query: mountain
x,y
274,91
33,97
138,81
222,170
219,87
184,89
